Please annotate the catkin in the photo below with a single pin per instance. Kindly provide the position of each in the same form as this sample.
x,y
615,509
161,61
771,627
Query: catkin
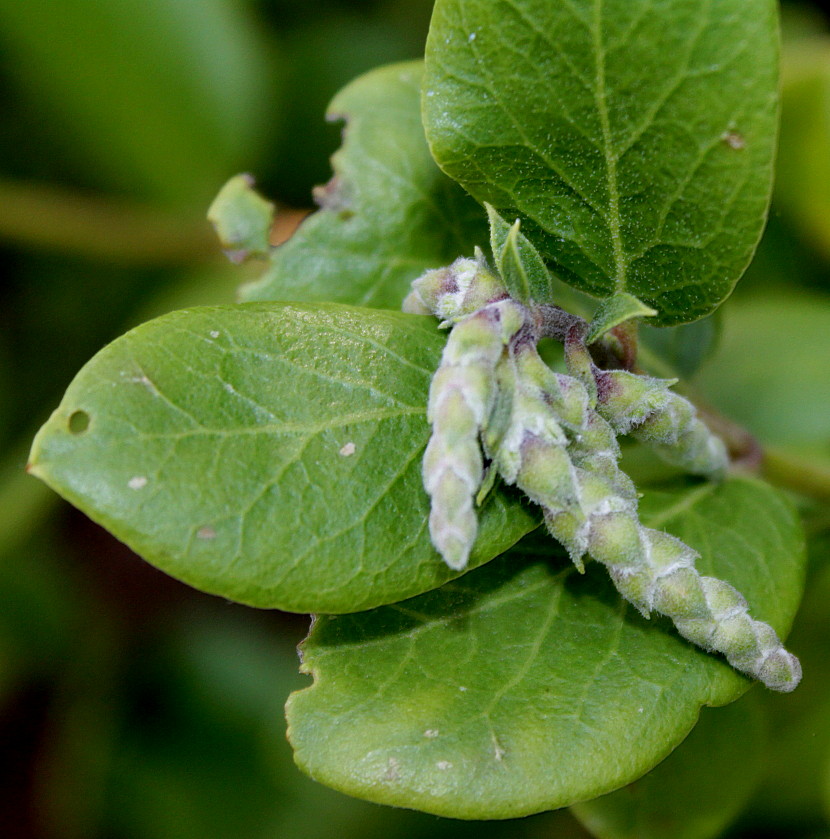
x,y
590,506
656,571
555,437
461,398
646,409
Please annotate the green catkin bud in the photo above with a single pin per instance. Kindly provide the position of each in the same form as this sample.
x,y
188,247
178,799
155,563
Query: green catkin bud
x,y
565,396
596,450
650,412
590,506
680,437
626,400
462,394
456,291
655,571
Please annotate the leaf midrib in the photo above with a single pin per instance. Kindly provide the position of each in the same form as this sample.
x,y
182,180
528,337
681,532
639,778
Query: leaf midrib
x,y
610,159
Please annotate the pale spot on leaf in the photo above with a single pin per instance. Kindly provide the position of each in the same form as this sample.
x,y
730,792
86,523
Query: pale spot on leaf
x,y
734,140
392,770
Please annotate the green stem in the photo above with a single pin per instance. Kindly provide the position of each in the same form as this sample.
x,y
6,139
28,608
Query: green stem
x,y
99,227
796,473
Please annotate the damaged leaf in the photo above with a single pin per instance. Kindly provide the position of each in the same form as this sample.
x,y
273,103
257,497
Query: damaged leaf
x,y
223,446
388,214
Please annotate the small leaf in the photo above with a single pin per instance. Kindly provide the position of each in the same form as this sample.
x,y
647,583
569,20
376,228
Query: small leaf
x,y
615,310
387,215
634,139
267,453
519,263
242,218
526,686
679,351
697,791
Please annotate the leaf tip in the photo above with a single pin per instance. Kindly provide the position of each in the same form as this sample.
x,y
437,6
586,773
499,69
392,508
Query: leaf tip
x,y
614,311
242,219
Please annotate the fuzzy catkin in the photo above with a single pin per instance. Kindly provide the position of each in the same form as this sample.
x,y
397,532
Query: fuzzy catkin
x,y
461,398
656,571
590,506
555,437
646,409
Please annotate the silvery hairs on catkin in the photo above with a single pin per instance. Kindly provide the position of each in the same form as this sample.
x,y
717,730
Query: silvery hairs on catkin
x,y
555,437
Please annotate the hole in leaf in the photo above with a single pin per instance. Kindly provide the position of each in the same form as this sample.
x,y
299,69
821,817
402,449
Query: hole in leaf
x,y
78,422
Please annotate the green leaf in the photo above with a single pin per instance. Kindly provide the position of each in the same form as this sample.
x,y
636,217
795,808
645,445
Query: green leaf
x,y
242,218
697,791
387,215
526,686
615,311
800,748
519,263
267,453
679,351
634,139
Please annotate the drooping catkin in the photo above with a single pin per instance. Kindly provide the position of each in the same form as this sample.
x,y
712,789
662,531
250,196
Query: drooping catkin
x,y
656,571
555,437
680,437
461,398
590,506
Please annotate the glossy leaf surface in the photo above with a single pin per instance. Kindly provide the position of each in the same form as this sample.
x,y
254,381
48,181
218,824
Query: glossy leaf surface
x,y
267,453
636,139
525,686
697,791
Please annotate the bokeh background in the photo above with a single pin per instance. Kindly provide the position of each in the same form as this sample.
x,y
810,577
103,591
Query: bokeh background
x,y
132,707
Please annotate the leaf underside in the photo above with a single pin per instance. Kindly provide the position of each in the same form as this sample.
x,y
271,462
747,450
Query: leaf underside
x,y
267,453
634,139
387,215
525,686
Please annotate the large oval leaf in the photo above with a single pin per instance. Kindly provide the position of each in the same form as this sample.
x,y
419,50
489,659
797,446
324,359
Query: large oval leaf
x,y
635,139
525,686
270,453
387,215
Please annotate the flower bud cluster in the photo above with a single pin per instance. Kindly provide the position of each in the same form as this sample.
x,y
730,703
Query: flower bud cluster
x,y
555,437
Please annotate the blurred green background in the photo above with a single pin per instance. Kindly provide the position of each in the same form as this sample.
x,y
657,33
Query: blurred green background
x,y
132,707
